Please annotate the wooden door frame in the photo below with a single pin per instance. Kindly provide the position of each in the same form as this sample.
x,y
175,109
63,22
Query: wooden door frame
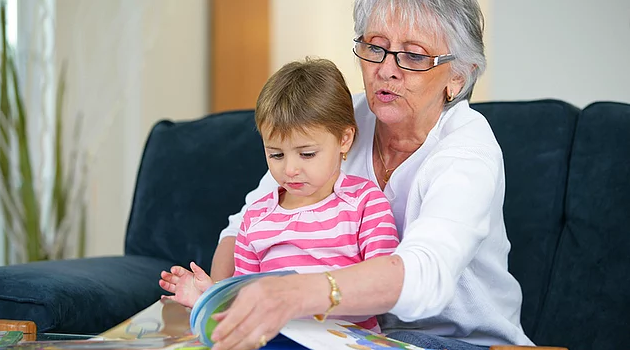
x,y
240,52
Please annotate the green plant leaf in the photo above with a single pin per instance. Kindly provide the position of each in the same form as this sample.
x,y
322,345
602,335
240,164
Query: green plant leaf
x,y
60,190
27,189
5,125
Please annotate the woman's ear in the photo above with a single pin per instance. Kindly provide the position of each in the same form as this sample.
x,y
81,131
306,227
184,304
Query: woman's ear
x,y
347,138
455,85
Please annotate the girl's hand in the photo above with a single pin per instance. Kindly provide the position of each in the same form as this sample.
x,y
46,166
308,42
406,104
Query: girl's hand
x,y
257,314
186,285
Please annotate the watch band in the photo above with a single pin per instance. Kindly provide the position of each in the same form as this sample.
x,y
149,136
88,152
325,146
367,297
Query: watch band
x,y
335,297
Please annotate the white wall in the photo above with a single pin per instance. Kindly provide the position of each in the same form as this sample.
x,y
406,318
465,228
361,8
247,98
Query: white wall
x,y
574,50
323,29
131,63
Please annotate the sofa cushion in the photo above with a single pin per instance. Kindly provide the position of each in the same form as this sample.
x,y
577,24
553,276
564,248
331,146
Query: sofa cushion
x,y
193,175
587,305
536,138
79,296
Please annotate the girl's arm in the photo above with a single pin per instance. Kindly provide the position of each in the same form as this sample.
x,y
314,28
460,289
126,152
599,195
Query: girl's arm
x,y
223,260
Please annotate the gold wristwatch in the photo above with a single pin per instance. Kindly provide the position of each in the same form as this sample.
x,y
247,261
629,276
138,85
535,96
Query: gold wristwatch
x,y
335,297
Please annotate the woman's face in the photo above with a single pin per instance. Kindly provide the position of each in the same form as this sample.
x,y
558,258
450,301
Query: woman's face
x,y
395,94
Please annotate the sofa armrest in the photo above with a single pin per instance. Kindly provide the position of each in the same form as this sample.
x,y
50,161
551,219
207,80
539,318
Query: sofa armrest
x,y
87,295
517,347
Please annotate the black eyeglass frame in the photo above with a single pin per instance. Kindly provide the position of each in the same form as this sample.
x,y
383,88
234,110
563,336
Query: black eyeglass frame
x,y
437,60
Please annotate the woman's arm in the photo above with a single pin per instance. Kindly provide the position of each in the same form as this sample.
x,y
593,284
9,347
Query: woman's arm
x,y
369,288
265,306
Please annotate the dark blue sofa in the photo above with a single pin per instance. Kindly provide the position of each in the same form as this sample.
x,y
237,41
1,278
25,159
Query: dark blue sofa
x,y
567,212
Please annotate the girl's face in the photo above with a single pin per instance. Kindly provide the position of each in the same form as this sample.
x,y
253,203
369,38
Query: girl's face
x,y
306,164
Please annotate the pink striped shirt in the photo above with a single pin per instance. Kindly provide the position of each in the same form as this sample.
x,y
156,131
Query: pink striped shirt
x,y
352,224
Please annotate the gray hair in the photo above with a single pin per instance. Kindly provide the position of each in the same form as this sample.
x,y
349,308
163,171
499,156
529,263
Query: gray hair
x,y
459,22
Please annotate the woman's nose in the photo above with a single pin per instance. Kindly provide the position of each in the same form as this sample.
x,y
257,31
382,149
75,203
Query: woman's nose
x,y
389,68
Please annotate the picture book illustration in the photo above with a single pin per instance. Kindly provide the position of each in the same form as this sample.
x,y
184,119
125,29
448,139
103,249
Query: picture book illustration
x,y
162,325
337,334
170,343
164,318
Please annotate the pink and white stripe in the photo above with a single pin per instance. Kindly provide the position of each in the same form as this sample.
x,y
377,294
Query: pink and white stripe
x,y
353,224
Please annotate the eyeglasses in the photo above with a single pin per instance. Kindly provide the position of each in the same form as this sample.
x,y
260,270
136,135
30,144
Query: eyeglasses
x,y
406,60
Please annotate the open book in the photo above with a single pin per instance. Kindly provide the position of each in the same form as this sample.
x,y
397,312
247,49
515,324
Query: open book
x,y
171,326
297,334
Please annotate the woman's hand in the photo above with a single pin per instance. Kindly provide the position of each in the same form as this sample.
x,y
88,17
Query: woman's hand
x,y
258,313
186,285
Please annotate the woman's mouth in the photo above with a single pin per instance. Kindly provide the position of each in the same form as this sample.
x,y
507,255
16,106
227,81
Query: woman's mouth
x,y
386,96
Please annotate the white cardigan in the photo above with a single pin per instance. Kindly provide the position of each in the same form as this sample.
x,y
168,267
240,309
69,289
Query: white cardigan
x,y
447,199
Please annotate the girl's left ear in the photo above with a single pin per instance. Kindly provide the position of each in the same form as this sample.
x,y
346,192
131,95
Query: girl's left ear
x,y
347,138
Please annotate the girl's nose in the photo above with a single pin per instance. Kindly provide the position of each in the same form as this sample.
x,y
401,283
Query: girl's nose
x,y
291,169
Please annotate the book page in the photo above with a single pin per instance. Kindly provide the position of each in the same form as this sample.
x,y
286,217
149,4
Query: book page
x,y
337,334
164,318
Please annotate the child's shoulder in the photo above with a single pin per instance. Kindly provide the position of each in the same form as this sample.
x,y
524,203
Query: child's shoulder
x,y
359,187
262,206
358,182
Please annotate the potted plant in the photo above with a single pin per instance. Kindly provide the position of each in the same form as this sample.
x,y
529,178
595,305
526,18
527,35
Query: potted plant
x,y
30,235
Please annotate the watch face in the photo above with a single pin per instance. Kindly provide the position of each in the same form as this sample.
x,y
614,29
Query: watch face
x,y
335,297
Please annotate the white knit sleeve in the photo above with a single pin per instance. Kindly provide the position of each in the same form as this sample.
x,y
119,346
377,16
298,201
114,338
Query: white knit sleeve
x,y
457,190
267,184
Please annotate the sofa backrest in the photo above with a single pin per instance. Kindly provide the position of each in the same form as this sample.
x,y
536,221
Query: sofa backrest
x,y
181,202
567,210
536,139
588,300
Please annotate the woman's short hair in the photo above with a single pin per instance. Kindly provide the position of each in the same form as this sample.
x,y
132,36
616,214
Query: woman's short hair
x,y
459,22
303,95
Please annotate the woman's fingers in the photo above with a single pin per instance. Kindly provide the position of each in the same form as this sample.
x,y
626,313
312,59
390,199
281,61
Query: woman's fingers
x,y
261,308
245,336
232,319
255,340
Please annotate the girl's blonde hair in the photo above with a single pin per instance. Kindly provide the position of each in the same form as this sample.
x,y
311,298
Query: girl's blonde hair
x,y
304,95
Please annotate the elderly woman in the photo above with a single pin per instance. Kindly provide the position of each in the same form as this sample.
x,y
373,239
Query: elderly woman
x,y
437,161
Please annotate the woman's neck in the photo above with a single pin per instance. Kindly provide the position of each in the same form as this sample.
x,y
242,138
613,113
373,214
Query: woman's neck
x,y
393,144
403,139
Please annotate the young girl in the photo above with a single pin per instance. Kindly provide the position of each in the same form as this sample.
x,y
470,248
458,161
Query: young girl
x,y
319,218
